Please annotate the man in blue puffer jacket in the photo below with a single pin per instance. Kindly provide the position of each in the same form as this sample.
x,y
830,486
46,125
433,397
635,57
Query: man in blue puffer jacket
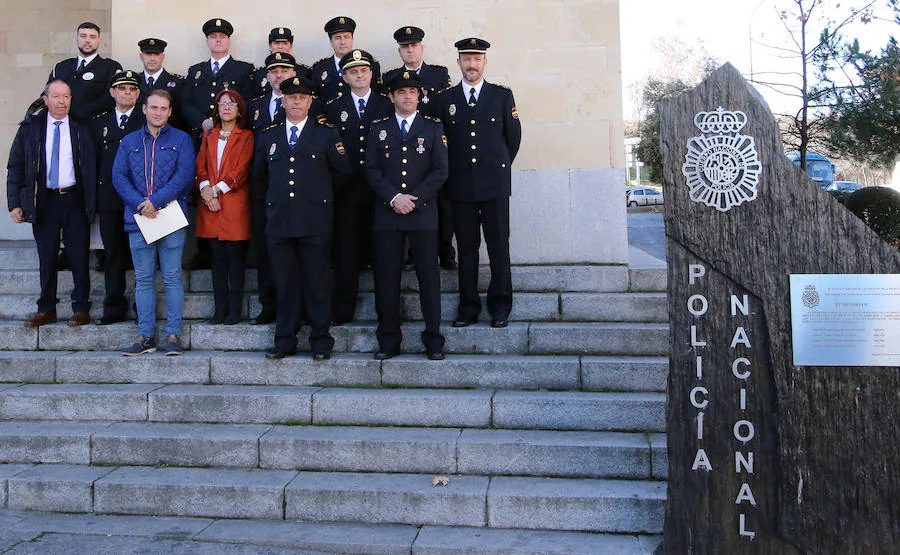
x,y
155,166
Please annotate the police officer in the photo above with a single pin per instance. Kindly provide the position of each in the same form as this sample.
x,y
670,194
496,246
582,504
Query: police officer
x,y
88,75
483,134
300,163
281,39
435,78
108,129
352,113
155,76
326,73
406,165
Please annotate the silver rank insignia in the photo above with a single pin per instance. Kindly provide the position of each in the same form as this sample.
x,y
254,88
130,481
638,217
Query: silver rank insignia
x,y
272,149
382,135
324,75
344,116
452,110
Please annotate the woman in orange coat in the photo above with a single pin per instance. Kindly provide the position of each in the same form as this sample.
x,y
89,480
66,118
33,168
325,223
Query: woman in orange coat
x,y
223,177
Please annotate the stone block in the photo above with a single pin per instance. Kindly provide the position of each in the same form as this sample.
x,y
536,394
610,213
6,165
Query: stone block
x,y
648,279
402,407
599,339
7,471
27,366
178,445
475,339
387,498
59,488
61,337
483,371
561,454
200,492
434,540
47,442
351,449
347,370
633,412
240,337
588,505
614,307
624,373
106,367
16,337
659,454
231,404
201,281
156,527
76,402
599,279
14,256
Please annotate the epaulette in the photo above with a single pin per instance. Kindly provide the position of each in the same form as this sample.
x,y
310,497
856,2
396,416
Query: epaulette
x,y
328,102
324,59
442,91
322,120
379,120
177,76
437,65
98,116
431,118
502,86
269,128
304,66
258,98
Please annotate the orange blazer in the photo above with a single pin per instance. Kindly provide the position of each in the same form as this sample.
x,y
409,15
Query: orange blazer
x,y
232,222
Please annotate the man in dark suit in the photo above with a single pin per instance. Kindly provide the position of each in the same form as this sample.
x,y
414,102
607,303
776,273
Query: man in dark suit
x,y
155,76
406,165
281,39
88,75
51,182
483,133
327,73
107,130
300,163
352,114
435,78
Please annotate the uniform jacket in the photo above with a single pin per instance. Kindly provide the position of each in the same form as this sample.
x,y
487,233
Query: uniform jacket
x,y
330,82
232,222
173,170
299,186
422,156
174,85
259,84
435,78
201,88
26,180
259,112
342,113
90,87
483,142
107,135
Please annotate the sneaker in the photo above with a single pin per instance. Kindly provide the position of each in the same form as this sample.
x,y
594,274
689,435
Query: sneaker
x,y
141,346
173,346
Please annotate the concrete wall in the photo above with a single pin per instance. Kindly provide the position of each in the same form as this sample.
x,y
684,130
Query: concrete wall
x,y
560,57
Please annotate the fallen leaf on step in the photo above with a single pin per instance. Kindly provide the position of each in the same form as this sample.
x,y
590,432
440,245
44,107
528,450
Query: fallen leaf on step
x,y
440,481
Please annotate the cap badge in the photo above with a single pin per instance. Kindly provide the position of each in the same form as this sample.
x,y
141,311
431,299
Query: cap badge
x,y
357,55
473,42
128,74
278,55
152,42
406,75
218,23
296,81
281,30
341,21
408,31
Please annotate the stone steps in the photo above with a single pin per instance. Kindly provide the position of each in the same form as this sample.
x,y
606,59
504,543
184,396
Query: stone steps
x,y
444,408
467,451
88,533
593,505
540,338
587,373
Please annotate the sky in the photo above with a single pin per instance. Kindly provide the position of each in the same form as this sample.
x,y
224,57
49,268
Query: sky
x,y
724,29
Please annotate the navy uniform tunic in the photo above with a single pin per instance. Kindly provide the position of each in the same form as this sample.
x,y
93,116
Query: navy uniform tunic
x,y
201,88
435,78
259,84
330,82
174,85
90,86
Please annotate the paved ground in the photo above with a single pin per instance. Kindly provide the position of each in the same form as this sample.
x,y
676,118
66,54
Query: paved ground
x,y
646,231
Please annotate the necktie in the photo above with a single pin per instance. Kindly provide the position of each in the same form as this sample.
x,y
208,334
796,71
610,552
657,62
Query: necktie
x,y
403,130
150,81
122,120
215,68
81,66
472,100
54,157
362,108
277,105
293,139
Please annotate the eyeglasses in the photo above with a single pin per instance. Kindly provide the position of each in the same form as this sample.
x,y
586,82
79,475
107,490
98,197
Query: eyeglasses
x,y
223,104
126,88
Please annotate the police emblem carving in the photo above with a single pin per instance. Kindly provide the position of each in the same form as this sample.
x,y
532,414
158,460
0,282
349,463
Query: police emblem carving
x,y
810,296
722,166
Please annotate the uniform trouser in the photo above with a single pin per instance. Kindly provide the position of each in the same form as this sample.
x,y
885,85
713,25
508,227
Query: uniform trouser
x,y
228,275
388,272
263,267
469,218
300,266
352,237
446,252
118,257
63,213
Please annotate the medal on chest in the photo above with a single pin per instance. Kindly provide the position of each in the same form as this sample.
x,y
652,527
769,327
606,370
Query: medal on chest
x,y
421,148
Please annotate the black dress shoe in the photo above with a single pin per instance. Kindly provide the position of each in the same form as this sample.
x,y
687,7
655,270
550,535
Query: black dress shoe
x,y
107,320
337,322
231,319
385,355
320,356
218,318
98,261
276,352
263,318
499,322
449,265
463,322
435,355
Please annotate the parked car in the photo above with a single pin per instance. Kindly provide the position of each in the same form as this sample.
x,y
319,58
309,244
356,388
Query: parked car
x,y
848,186
643,196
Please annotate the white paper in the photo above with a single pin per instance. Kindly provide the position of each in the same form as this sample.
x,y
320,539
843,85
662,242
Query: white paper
x,y
168,220
845,319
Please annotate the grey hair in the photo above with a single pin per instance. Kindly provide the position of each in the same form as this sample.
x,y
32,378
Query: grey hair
x,y
46,91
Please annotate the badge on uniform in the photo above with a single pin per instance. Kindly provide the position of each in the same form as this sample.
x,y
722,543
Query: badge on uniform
x,y
324,75
256,115
171,84
421,148
515,113
262,83
452,109
197,75
105,132
344,115
382,135
444,139
272,149
340,147
88,76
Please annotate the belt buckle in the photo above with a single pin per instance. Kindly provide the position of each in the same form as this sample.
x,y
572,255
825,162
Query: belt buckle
x,y
64,190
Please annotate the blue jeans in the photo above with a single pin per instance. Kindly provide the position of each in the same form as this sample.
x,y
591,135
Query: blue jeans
x,y
169,250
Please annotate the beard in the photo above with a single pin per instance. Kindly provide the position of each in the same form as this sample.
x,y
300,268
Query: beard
x,y
85,53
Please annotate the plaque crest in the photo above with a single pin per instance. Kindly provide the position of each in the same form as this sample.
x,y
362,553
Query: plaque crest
x,y
722,166
810,296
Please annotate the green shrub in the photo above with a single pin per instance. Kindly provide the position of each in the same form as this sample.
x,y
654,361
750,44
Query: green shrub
x,y
879,207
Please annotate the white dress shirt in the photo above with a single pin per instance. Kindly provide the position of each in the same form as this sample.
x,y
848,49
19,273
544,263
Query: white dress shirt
x,y
356,100
221,61
120,114
156,75
468,87
87,60
287,128
272,106
337,63
66,162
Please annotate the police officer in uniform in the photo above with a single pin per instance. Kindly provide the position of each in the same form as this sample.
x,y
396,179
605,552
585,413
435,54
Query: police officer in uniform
x,y
300,163
108,129
483,133
326,73
352,113
406,165
88,75
281,39
155,76
435,78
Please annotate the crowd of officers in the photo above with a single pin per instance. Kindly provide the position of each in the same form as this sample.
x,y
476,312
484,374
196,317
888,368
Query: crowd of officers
x,y
383,171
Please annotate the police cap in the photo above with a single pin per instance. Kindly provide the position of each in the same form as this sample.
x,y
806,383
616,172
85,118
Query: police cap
x,y
297,85
280,59
408,35
217,26
152,46
340,24
125,78
472,46
281,34
356,58
404,80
